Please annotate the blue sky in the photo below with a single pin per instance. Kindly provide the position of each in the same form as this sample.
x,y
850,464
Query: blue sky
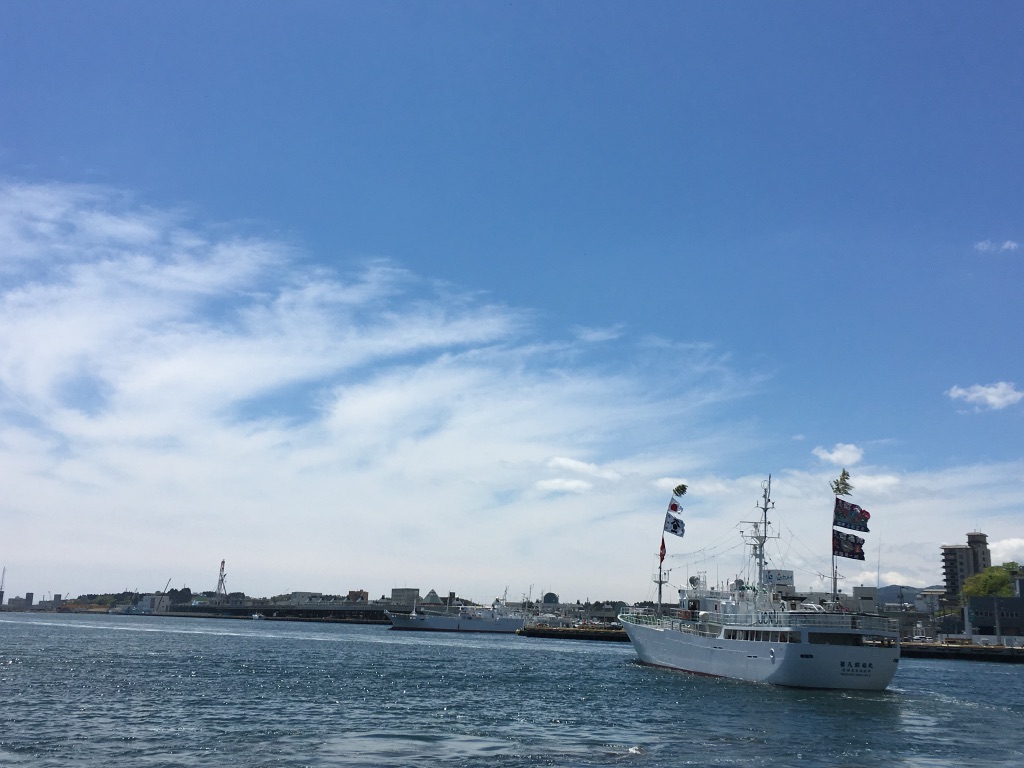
x,y
362,296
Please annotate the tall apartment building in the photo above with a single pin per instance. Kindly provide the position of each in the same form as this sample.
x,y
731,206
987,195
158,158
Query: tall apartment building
x,y
978,542
960,561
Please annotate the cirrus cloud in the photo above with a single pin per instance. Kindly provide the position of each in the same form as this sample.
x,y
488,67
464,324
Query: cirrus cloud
x,y
163,378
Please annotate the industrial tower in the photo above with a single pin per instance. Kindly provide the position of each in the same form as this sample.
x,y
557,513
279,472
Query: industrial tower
x,y
222,590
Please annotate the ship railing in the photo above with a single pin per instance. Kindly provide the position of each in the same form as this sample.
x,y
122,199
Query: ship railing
x,y
840,621
703,629
779,619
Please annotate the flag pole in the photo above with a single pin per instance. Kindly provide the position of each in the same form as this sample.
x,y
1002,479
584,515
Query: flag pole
x,y
661,579
674,525
835,577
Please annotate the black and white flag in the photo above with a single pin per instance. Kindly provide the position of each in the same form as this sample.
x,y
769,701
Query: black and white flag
x,y
674,525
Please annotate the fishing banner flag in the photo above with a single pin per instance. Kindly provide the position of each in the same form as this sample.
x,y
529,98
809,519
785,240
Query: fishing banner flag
x,y
661,553
847,545
674,525
847,515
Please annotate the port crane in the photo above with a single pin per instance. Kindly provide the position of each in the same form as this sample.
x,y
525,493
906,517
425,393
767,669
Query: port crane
x,y
222,590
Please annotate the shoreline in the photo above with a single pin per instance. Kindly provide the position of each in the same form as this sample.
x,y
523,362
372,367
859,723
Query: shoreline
x,y
960,651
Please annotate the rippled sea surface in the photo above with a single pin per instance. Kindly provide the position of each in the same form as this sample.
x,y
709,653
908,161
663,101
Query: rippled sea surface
x,y
108,691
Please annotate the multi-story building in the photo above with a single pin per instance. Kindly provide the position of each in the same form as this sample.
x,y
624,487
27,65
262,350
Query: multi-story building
x,y
999,616
960,561
25,603
157,603
978,543
403,597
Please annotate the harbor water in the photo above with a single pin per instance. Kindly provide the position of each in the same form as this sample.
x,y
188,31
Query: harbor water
x,y
107,691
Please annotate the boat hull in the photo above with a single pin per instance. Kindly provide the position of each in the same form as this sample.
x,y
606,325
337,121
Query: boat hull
x,y
429,623
798,665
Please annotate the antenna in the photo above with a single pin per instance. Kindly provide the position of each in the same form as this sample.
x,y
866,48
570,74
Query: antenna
x,y
878,566
760,535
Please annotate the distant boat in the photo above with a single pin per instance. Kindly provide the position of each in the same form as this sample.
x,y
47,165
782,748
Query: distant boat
x,y
461,618
749,633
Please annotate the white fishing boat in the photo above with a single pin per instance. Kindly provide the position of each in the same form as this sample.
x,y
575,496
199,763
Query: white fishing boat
x,y
754,633
460,618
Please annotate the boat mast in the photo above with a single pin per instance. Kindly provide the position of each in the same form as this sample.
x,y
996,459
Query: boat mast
x,y
660,581
760,534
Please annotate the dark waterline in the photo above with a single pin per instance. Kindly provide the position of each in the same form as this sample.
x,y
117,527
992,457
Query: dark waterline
x,y
108,691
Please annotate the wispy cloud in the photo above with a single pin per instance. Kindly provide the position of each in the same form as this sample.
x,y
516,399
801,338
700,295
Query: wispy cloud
x,y
994,397
162,379
583,468
989,246
843,454
564,485
596,335
363,427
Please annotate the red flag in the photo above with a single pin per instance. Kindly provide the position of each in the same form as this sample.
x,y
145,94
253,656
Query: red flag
x,y
847,515
662,558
